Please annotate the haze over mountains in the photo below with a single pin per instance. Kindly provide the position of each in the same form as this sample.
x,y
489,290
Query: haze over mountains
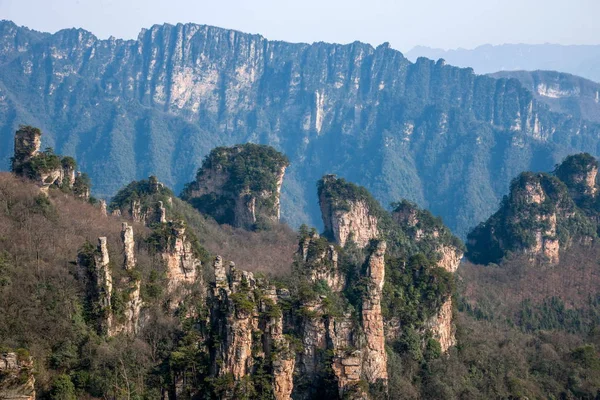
x,y
582,60
433,133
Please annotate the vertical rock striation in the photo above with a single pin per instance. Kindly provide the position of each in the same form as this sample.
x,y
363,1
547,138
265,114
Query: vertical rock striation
x,y
375,357
128,246
183,265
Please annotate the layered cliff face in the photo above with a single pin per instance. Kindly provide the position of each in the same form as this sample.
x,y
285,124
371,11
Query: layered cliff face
x,y
240,185
543,214
348,212
161,102
17,381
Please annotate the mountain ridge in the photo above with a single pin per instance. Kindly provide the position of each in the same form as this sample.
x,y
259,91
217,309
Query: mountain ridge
x,y
581,60
157,105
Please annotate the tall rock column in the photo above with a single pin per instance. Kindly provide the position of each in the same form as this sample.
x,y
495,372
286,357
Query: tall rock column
x,y
128,246
374,356
133,306
233,316
182,264
104,285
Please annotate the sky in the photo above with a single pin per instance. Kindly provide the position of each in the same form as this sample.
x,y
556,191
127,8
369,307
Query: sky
x,y
404,24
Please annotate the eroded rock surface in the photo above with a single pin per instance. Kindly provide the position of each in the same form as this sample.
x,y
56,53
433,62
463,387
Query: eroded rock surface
x,y
17,381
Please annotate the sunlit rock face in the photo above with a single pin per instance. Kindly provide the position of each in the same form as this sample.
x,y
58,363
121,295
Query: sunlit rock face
x,y
346,217
161,102
17,381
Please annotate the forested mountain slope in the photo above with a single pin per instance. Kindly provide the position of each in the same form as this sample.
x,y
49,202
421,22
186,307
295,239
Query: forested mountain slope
x,y
438,135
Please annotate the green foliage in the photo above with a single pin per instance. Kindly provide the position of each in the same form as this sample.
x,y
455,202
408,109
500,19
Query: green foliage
x,y
251,166
250,170
552,314
82,185
243,301
44,162
62,388
147,191
575,167
341,193
414,290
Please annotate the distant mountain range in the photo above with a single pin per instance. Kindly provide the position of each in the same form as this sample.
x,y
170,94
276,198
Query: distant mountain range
x,y
562,92
435,134
582,60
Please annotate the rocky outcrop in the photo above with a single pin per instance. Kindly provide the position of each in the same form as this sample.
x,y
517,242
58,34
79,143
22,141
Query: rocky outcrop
x,y
375,357
429,232
442,326
130,288
236,316
538,206
45,168
103,283
579,173
320,261
181,260
28,141
17,381
128,246
238,323
94,267
103,208
348,211
160,213
240,185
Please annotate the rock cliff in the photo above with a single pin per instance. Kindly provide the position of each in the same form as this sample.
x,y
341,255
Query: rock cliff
x,y
430,234
240,185
143,201
542,215
94,267
246,318
164,100
46,168
348,211
375,357
183,265
17,381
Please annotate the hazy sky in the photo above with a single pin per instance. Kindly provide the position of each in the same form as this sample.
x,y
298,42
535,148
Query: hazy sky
x,y
436,23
